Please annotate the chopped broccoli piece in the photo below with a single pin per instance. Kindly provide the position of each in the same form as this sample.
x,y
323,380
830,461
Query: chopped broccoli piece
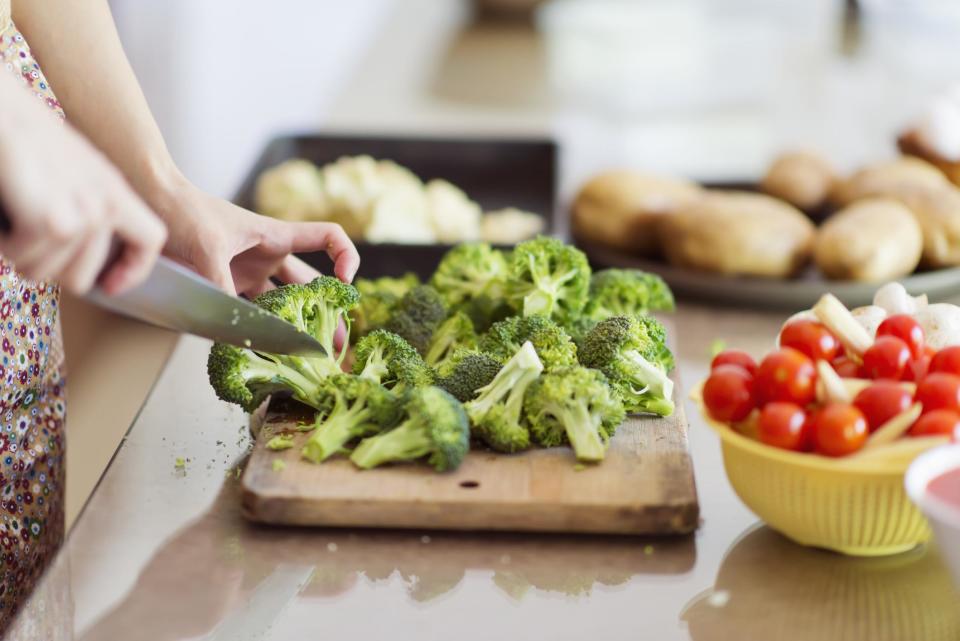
x,y
548,278
578,328
553,345
378,297
417,315
631,352
355,407
470,272
626,292
574,405
280,442
279,465
466,372
435,427
391,361
497,412
452,334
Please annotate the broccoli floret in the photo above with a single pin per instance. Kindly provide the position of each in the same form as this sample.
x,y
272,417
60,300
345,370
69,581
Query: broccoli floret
x,y
548,278
435,427
354,407
630,351
466,372
247,378
497,412
417,315
626,292
578,327
574,405
452,334
378,297
387,359
468,272
553,345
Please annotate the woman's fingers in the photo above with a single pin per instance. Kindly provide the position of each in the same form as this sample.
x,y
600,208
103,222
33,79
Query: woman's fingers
x,y
294,270
81,274
263,287
330,238
142,236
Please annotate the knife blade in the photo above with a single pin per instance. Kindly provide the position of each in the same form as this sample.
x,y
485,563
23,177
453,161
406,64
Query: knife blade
x,y
175,298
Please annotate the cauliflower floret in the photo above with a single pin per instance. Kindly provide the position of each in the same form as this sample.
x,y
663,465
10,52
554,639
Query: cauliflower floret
x,y
509,226
292,190
400,215
454,217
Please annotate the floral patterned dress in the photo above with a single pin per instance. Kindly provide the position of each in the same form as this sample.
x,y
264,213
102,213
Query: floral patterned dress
x,y
31,396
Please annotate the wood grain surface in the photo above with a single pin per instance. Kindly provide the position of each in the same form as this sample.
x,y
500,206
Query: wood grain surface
x,y
644,486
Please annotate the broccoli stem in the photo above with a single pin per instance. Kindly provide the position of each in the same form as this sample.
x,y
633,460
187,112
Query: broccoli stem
x,y
406,442
547,291
336,430
652,379
376,366
327,323
439,348
304,389
583,431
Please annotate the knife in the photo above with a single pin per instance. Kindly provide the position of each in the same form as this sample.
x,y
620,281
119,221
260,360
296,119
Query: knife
x,y
175,298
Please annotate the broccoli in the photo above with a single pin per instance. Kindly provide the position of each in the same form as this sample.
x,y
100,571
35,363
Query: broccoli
x,y
465,372
630,351
548,278
354,406
387,359
626,292
378,297
497,412
435,427
247,378
553,345
417,315
468,272
578,327
454,333
574,405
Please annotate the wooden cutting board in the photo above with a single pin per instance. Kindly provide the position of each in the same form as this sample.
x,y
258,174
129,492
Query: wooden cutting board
x,y
644,486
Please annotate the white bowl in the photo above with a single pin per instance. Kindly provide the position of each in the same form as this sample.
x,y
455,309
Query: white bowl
x,y
944,518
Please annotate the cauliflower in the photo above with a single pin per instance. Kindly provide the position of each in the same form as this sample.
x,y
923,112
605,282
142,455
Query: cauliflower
x,y
291,190
509,226
454,217
400,215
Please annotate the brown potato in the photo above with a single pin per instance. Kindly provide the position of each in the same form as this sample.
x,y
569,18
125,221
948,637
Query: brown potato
x,y
875,239
622,208
889,178
938,213
738,233
801,178
910,144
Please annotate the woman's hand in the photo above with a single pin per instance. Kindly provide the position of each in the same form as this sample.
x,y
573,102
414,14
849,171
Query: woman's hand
x,y
239,250
66,203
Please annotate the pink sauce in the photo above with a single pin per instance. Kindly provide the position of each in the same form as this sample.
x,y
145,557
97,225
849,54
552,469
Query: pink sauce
x,y
946,487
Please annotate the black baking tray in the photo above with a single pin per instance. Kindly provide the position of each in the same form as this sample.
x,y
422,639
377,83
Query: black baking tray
x,y
495,172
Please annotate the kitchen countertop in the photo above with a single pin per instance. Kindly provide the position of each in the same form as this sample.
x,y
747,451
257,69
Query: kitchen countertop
x,y
163,553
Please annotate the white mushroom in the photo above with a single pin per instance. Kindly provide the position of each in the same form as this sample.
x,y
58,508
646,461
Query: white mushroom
x,y
895,299
941,324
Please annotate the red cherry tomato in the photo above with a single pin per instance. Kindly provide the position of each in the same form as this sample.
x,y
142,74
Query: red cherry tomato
x,y
782,425
735,357
939,391
845,367
917,369
936,423
728,393
882,401
947,360
886,358
786,375
904,327
839,429
810,338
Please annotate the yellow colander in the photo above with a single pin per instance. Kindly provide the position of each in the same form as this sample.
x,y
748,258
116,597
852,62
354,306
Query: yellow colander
x,y
856,505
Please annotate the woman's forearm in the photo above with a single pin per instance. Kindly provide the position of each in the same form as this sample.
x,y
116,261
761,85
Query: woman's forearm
x,y
76,41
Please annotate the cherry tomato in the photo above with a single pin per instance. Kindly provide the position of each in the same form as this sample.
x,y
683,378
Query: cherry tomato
x,y
786,375
811,338
939,391
782,425
845,367
728,393
904,327
917,369
887,358
735,357
882,401
947,360
936,423
839,429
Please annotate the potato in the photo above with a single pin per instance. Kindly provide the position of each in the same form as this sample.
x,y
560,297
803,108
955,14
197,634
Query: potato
x,y
738,233
890,178
803,179
622,208
938,213
875,239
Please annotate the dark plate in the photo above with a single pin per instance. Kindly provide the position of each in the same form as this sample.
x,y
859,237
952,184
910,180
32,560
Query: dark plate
x,y
494,172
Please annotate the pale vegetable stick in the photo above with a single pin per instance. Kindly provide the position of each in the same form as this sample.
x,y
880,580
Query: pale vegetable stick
x,y
894,428
830,387
856,385
900,452
841,322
